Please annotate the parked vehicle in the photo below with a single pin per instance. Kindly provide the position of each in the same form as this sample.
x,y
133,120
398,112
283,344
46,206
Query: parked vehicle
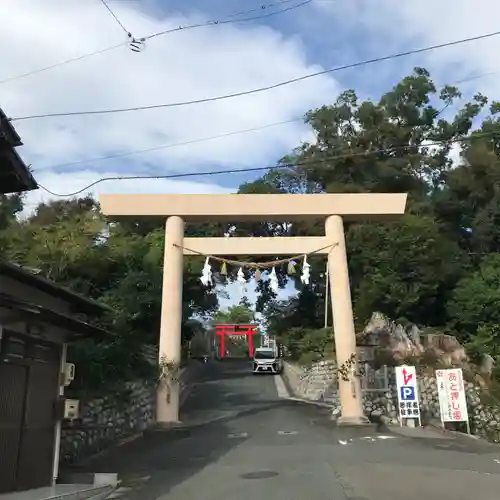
x,y
267,360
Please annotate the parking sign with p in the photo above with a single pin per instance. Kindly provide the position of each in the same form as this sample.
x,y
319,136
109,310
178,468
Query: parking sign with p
x,y
407,393
406,381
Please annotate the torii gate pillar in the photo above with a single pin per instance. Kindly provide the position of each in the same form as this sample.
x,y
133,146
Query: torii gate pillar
x,y
167,399
343,323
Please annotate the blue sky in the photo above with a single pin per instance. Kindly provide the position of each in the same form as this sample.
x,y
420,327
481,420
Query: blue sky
x,y
210,61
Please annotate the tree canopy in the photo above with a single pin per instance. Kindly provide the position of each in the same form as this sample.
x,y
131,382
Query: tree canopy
x,y
437,266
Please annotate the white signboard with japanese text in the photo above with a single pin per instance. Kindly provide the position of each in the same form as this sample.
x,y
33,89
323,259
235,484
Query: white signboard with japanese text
x,y
451,391
408,401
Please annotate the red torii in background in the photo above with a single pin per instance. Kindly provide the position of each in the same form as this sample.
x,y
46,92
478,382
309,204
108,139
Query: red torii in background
x,y
248,330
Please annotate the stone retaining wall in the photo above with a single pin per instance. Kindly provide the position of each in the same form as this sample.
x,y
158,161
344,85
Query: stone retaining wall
x,y
318,383
112,417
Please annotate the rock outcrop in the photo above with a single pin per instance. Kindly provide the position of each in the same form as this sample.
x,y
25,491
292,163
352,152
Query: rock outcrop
x,y
395,344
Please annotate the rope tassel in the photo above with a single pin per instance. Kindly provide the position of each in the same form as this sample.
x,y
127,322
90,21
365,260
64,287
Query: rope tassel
x,y
223,269
241,276
273,281
258,275
206,273
291,267
306,271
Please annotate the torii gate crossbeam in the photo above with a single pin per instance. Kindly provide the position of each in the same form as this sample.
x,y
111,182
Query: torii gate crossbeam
x,y
332,208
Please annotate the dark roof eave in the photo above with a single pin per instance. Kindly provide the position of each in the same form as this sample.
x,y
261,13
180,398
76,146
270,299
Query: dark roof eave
x,y
45,285
16,172
6,124
77,329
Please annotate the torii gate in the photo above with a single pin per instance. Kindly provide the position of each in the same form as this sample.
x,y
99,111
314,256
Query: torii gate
x,y
332,208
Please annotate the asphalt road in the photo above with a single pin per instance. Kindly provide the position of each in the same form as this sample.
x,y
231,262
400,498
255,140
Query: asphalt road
x,y
245,442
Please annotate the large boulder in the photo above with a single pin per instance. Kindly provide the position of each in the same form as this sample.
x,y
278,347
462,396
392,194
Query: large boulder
x,y
394,341
391,338
447,350
394,344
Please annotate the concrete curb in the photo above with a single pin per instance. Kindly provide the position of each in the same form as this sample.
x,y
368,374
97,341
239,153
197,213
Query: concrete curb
x,y
437,424
321,404
286,382
291,394
432,423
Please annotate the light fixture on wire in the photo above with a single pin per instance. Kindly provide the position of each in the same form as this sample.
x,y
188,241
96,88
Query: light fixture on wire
x,y
136,44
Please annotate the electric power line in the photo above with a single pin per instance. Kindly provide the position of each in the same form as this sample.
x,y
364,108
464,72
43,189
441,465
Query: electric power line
x,y
172,145
226,134
115,17
265,88
227,20
304,163
62,63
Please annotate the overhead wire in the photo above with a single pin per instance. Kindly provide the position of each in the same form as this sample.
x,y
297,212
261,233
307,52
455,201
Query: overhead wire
x,y
226,20
62,63
171,145
224,135
229,19
115,17
266,88
281,166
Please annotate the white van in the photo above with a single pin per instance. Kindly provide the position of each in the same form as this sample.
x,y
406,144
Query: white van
x,y
266,360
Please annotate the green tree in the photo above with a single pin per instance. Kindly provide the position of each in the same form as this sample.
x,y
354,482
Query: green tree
x,y
401,143
475,301
10,207
239,314
71,243
404,269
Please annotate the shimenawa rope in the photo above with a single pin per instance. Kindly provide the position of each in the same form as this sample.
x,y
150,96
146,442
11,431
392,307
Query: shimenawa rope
x,y
256,265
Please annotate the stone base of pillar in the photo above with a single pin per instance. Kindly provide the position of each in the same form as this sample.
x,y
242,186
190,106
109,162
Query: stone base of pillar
x,y
353,421
166,427
167,404
169,425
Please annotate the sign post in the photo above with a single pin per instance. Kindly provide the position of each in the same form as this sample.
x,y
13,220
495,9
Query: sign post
x,y
408,401
452,400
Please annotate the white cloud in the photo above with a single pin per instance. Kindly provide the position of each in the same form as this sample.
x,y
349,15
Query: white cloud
x,y
395,25
181,66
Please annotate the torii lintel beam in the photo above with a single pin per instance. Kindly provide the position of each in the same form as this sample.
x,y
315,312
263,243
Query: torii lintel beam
x,y
256,207
275,245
